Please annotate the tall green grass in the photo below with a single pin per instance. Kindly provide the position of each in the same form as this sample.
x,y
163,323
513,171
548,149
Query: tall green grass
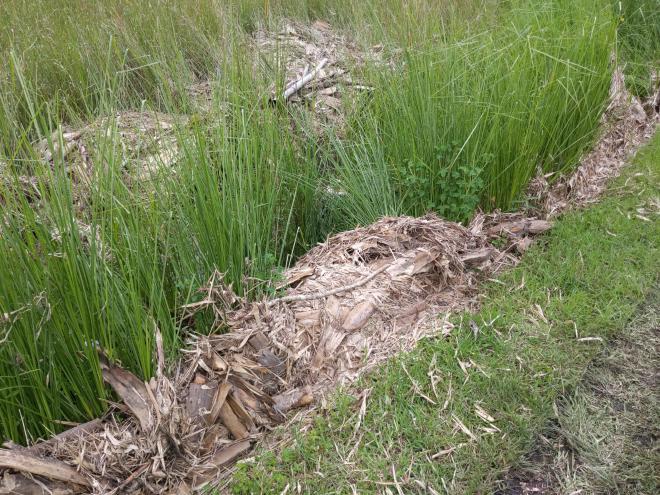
x,y
482,94
237,199
639,41
478,116
65,294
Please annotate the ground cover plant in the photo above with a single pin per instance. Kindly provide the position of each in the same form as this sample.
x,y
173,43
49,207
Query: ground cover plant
x,y
457,412
476,99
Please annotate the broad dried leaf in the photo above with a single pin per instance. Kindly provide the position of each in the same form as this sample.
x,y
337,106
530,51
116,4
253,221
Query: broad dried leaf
x,y
50,468
358,316
130,389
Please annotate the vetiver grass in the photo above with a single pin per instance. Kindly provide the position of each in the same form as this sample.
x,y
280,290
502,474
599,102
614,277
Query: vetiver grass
x,y
459,108
236,202
499,90
639,39
540,325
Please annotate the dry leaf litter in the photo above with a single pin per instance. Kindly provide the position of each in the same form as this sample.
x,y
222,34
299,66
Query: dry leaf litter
x,y
313,69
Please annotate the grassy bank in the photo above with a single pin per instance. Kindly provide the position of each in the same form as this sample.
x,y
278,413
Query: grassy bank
x,y
541,323
478,97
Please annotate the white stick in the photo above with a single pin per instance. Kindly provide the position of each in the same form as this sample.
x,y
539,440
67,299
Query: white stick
x,y
298,85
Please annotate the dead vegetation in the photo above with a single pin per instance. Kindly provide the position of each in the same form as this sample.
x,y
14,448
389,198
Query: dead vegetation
x,y
319,68
352,302
627,124
146,142
314,71
349,303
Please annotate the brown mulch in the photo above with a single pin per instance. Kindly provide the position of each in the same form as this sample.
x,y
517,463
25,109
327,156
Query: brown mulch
x,y
145,142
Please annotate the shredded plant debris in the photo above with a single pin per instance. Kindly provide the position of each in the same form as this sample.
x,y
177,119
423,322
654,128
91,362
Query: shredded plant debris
x,y
147,140
314,70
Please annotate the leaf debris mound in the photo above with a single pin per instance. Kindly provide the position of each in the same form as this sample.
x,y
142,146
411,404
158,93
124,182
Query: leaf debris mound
x,y
333,59
345,306
312,69
146,141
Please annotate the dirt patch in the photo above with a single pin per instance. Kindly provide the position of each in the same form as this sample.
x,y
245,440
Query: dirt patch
x,y
606,438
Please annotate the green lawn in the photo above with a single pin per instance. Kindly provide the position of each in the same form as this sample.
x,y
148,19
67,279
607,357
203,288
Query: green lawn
x,y
541,325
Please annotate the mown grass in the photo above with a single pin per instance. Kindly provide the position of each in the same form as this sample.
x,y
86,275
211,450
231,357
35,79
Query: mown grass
x,y
604,439
481,95
584,279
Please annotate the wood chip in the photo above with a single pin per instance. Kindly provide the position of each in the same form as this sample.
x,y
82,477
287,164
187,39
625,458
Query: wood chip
x,y
268,359
218,401
443,453
259,341
463,428
17,484
523,244
200,399
520,227
70,434
330,341
223,458
481,412
291,399
478,256
231,421
358,316
413,263
295,277
217,363
240,411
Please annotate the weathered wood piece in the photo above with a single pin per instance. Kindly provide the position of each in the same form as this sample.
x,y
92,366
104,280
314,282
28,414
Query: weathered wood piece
x,y
49,468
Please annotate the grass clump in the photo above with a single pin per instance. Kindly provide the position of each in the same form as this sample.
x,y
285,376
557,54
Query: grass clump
x,y
455,123
234,199
639,43
584,279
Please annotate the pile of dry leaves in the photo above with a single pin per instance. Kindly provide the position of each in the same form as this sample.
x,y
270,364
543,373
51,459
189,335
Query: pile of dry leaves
x,y
313,70
318,64
146,143
351,302
348,304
